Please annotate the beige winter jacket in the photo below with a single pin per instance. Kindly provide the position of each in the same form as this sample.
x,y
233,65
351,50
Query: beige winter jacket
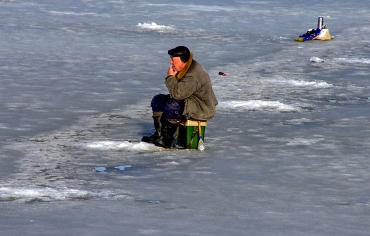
x,y
193,85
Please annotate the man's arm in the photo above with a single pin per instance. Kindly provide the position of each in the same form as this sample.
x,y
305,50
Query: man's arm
x,y
183,88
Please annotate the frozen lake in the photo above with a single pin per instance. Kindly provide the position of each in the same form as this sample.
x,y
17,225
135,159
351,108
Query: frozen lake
x,y
286,154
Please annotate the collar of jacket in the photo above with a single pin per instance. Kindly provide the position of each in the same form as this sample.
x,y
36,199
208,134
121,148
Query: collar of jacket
x,y
182,73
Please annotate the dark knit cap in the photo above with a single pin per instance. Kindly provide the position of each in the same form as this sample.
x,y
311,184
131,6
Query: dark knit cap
x,y
180,51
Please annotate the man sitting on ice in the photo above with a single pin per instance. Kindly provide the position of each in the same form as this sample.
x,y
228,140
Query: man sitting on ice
x,y
190,97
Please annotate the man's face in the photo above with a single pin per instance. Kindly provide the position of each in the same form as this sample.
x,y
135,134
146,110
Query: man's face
x,y
177,64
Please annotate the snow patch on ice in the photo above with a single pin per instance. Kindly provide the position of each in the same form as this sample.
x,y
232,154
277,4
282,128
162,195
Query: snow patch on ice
x,y
198,7
316,60
353,60
301,83
257,105
170,163
71,13
125,145
47,194
303,141
152,26
299,121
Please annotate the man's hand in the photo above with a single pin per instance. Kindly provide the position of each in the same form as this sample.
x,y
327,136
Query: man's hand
x,y
171,71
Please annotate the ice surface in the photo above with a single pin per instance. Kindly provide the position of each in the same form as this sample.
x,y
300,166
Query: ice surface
x,y
286,154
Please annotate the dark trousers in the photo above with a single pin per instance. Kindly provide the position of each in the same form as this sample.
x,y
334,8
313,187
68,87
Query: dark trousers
x,y
171,108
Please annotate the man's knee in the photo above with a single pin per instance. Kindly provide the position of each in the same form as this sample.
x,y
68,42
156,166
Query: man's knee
x,y
159,102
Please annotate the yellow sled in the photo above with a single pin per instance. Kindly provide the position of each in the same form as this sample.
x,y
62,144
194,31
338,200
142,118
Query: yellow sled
x,y
320,33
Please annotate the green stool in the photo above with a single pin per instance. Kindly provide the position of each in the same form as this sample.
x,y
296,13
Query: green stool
x,y
188,136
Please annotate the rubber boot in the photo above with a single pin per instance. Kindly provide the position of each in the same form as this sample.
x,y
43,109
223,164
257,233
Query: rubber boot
x,y
158,127
167,135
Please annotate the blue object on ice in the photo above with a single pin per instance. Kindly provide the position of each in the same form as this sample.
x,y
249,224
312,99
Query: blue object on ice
x,y
315,33
123,167
100,169
309,35
114,168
